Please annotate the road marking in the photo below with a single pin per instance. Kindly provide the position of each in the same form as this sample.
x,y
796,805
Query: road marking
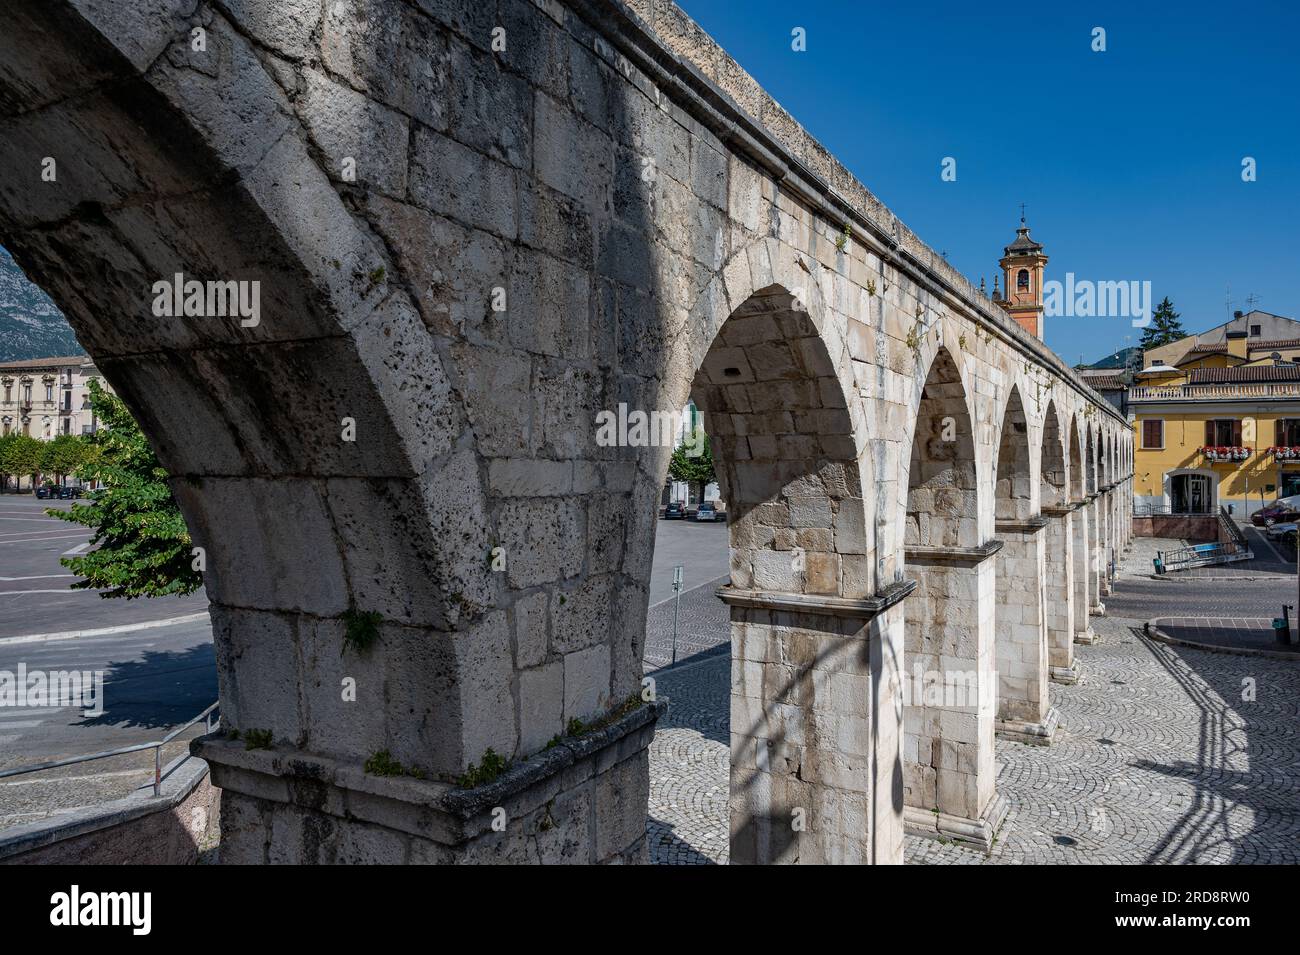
x,y
66,590
31,710
76,550
30,520
103,631
39,576
27,540
21,724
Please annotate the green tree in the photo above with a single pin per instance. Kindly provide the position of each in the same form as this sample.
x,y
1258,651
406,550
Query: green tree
x,y
21,455
1164,327
692,462
141,547
63,455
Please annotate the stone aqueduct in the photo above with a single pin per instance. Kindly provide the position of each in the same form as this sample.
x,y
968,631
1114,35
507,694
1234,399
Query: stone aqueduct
x,y
916,484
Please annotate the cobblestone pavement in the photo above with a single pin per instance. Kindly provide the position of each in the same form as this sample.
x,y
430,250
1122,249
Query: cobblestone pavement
x,y
1160,759
702,625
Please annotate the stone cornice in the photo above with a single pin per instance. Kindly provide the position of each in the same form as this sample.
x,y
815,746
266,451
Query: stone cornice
x,y
858,607
962,556
448,813
1030,525
1060,510
694,87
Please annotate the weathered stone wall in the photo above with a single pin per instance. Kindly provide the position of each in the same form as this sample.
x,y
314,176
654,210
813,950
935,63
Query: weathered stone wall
x,y
466,252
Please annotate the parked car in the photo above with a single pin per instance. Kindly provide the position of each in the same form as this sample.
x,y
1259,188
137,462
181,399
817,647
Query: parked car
x,y
69,493
1280,531
708,512
44,492
675,510
1279,511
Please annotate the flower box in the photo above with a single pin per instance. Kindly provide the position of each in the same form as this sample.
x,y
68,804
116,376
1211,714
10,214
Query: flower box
x,y
1284,453
1226,453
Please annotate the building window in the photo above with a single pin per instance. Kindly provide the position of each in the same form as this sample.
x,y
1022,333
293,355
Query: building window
x,y
1022,280
1287,434
27,394
9,393
1223,433
1255,331
49,392
1153,434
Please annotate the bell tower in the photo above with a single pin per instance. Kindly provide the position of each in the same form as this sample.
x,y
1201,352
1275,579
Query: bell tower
x,y
1022,274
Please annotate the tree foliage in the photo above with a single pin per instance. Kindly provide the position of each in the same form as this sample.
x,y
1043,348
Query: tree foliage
x,y
1165,326
693,462
141,546
64,455
20,455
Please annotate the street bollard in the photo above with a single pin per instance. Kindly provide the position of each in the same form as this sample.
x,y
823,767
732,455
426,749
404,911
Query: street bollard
x,y
677,604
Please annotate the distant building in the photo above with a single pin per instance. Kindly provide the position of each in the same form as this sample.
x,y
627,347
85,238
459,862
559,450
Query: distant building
x,y
1263,333
1218,421
45,397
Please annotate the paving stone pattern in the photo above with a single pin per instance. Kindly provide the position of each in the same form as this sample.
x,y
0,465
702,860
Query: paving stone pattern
x,y
1160,760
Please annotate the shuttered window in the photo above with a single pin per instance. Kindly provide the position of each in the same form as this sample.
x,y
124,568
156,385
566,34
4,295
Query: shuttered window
x,y
1153,434
1287,433
1223,432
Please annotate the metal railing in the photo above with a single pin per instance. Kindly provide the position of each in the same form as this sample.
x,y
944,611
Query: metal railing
x,y
1235,548
1151,510
156,746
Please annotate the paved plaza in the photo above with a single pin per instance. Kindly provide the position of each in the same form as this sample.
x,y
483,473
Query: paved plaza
x,y
1166,754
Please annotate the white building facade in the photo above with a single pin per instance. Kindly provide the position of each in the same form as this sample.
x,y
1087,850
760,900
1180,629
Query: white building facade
x,y
46,397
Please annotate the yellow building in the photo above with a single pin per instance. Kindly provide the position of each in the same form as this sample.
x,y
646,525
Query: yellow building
x,y
1219,426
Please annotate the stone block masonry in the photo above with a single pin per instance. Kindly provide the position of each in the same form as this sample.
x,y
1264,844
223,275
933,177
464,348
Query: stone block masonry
x,y
476,226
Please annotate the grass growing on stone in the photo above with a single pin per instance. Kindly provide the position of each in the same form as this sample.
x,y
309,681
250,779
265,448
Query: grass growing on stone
x,y
383,764
488,770
577,727
360,630
257,739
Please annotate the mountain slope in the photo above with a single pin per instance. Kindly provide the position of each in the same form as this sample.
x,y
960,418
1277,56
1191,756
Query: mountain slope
x,y
31,326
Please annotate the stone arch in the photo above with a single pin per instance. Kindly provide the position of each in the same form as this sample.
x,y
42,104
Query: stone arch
x,y
950,691
1059,590
787,455
942,508
1053,488
171,174
1022,656
1013,492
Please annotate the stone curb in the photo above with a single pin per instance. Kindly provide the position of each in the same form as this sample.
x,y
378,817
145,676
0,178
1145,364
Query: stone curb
x,y
1152,629
180,778
103,631
1182,580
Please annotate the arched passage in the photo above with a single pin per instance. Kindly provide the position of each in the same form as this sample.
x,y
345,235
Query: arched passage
x,y
948,767
1022,656
804,709
1084,573
1054,495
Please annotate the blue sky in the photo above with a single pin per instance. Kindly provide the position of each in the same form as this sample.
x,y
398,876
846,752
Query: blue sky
x,y
1129,161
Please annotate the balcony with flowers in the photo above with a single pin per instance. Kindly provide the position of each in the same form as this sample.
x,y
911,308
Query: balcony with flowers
x,y
1283,452
1222,453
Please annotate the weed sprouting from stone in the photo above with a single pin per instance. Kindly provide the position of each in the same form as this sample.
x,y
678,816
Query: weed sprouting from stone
x,y
488,770
360,630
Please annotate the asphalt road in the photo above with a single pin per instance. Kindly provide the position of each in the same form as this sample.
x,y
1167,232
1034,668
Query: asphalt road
x,y
701,549
153,677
